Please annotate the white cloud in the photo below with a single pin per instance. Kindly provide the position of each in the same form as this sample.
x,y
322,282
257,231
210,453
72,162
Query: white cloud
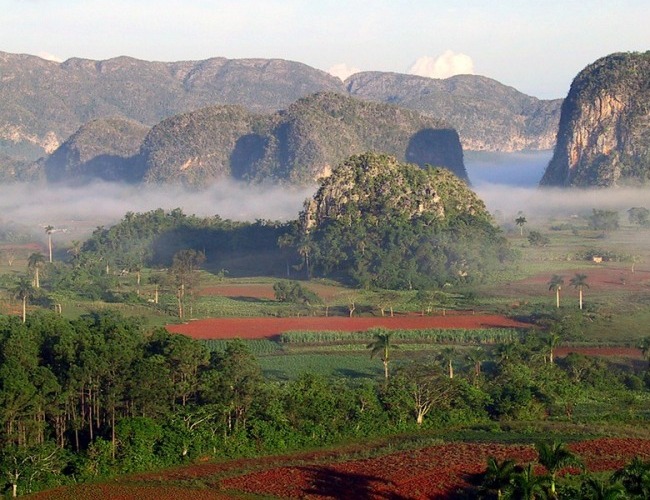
x,y
342,70
445,65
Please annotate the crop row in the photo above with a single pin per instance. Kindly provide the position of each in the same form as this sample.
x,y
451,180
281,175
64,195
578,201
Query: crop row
x,y
462,336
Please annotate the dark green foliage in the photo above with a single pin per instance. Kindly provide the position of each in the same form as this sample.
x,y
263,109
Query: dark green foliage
x,y
639,215
153,238
378,223
603,220
292,291
537,239
99,395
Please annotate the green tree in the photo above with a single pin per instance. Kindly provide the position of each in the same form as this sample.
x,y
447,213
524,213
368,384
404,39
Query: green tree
x,y
521,222
579,282
498,476
639,215
35,263
635,477
381,345
233,381
551,341
427,388
185,265
476,356
554,457
525,485
603,220
448,356
23,291
555,285
594,488
24,466
537,239
49,230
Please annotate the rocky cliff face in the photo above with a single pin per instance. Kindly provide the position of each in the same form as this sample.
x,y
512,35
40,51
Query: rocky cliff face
x,y
604,131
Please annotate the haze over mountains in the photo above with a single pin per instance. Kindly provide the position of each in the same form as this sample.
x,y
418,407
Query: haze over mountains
x,y
46,102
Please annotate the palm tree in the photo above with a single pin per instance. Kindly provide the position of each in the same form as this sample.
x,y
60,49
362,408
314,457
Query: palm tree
x,y
476,356
381,345
555,285
635,477
35,263
448,355
644,345
521,221
498,475
552,341
579,281
526,485
22,291
597,489
49,230
554,457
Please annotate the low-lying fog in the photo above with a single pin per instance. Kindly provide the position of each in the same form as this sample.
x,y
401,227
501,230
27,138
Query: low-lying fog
x,y
506,182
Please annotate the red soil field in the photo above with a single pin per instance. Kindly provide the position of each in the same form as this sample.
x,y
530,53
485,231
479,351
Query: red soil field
x,y
433,472
598,278
254,328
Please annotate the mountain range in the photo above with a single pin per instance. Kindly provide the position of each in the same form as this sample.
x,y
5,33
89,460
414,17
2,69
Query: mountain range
x,y
45,102
297,145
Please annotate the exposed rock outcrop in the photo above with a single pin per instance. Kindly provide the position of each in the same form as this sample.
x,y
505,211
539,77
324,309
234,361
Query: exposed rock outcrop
x,y
604,132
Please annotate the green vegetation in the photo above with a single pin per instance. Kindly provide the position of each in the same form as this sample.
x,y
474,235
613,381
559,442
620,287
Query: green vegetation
x,y
378,223
102,395
92,388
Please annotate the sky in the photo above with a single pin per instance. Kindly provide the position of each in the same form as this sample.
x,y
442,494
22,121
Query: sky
x,y
535,46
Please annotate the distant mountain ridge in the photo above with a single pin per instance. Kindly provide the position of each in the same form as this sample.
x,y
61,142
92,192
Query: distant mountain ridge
x,y
487,114
42,103
296,146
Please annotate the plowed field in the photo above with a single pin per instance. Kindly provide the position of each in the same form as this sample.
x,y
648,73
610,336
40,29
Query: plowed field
x,y
433,472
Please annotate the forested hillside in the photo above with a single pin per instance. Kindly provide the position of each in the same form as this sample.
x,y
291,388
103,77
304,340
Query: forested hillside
x,y
294,146
377,222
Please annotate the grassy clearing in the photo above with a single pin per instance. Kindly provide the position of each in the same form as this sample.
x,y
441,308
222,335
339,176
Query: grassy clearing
x,y
349,365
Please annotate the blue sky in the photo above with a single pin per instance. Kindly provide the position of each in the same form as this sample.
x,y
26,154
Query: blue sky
x,y
534,46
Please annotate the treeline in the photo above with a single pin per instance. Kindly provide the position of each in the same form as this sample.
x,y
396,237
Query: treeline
x,y
99,395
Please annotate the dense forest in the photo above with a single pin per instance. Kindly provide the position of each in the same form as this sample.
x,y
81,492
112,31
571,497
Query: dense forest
x,y
101,395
